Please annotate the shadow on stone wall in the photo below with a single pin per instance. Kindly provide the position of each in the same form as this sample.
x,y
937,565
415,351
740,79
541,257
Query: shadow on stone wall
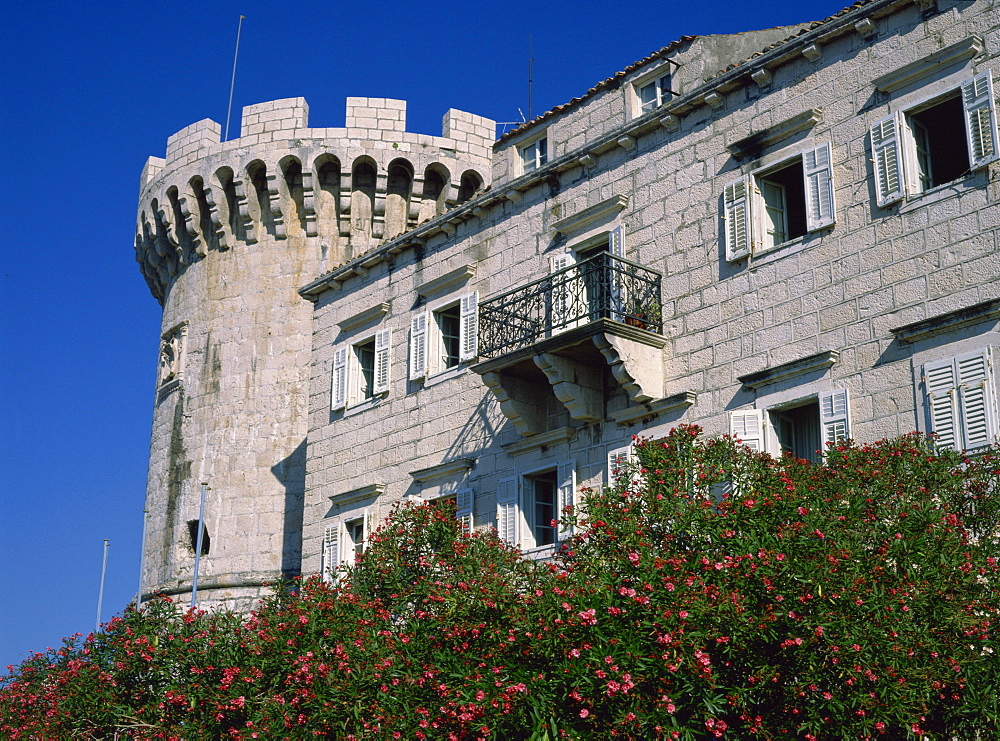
x,y
291,472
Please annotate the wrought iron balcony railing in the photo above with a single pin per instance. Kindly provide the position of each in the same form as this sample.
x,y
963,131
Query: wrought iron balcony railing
x,y
601,287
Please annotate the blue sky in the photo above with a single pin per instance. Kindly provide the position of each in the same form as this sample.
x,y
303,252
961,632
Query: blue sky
x,y
89,91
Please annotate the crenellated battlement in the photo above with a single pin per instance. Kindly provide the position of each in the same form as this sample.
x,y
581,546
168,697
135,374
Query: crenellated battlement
x,y
350,187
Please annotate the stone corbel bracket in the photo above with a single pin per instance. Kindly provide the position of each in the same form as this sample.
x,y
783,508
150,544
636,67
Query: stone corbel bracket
x,y
576,385
516,399
637,366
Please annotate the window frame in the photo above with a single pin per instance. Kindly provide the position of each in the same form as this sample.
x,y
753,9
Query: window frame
x,y
755,429
894,146
534,150
424,358
744,208
516,506
346,389
656,76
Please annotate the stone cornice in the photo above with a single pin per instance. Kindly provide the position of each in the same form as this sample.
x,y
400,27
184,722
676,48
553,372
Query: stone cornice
x,y
639,412
443,283
819,361
773,134
965,49
949,322
365,317
448,469
591,215
558,436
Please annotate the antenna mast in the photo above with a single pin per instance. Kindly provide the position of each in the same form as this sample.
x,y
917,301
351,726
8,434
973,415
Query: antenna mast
x,y
232,84
531,81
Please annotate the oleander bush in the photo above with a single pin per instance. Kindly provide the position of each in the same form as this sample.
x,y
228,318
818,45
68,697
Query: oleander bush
x,y
713,592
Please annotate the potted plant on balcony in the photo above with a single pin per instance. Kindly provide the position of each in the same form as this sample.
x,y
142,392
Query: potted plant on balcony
x,y
640,311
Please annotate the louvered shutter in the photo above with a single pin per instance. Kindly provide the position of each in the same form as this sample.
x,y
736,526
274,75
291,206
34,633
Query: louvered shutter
x,y
507,510
747,426
941,389
736,210
889,182
834,416
619,300
566,497
980,119
331,553
817,168
469,327
338,391
561,295
418,346
383,359
463,509
618,460
976,410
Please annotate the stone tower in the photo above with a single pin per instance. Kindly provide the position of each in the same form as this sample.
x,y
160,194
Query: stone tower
x,y
226,233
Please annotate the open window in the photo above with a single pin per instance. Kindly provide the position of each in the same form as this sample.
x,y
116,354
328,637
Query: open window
x,y
444,336
530,504
361,371
802,429
778,204
343,542
936,141
960,396
534,154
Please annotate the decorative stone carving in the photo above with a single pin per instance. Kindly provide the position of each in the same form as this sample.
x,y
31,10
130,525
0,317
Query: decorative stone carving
x,y
171,363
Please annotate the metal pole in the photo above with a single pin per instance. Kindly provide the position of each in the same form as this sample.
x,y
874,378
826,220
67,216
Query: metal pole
x,y
232,84
531,59
100,593
197,547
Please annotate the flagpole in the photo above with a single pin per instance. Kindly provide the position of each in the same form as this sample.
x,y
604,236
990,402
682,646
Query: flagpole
x,y
197,547
232,84
100,594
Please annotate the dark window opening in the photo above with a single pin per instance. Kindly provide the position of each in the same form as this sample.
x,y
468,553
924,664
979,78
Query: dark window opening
x,y
543,507
939,138
366,362
798,431
206,541
449,323
784,196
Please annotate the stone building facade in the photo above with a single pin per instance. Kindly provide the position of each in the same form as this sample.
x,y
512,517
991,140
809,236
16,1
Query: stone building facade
x,y
788,235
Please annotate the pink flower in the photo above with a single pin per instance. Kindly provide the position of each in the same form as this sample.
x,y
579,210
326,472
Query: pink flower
x,y
584,713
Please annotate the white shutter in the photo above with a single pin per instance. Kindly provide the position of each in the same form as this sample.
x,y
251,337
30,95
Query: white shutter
x,y
418,346
886,160
834,416
469,327
383,359
338,390
331,553
817,168
975,399
507,510
980,119
463,509
941,389
736,214
566,476
561,295
616,241
618,460
616,246
747,426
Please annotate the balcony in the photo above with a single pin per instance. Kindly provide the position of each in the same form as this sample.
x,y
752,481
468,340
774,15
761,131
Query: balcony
x,y
601,287
573,335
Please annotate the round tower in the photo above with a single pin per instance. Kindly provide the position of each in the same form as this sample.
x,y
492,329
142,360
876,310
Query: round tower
x,y
226,233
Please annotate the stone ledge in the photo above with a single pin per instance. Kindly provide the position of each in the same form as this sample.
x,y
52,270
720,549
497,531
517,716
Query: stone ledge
x,y
949,322
442,283
774,134
819,361
541,440
365,317
639,412
964,49
355,495
598,212
448,469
